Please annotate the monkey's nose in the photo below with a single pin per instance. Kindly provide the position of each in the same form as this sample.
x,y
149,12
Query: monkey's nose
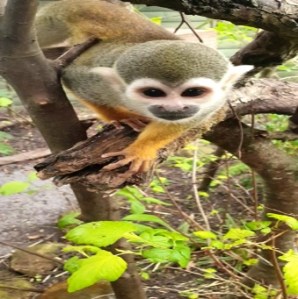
x,y
173,113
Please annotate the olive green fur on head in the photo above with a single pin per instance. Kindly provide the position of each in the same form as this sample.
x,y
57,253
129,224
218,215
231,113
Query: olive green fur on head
x,y
171,61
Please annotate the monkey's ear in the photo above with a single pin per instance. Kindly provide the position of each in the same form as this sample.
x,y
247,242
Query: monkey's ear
x,y
233,74
110,76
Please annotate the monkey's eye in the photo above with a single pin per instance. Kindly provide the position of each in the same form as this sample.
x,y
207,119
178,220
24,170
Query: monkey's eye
x,y
193,92
153,92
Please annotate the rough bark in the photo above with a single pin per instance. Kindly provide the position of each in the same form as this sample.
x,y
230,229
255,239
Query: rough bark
x,y
266,50
280,17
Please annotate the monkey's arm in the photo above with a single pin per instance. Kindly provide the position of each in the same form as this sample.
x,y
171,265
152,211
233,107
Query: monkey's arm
x,y
108,114
143,152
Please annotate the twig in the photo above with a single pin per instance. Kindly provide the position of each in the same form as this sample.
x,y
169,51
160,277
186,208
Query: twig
x,y
33,253
195,188
283,136
211,170
278,271
68,57
21,289
238,200
255,193
181,212
253,174
186,22
238,151
31,155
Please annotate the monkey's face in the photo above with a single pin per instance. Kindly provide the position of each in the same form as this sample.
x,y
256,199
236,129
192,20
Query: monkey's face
x,y
189,101
168,100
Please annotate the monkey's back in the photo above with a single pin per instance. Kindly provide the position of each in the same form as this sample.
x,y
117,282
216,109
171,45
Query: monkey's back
x,y
80,20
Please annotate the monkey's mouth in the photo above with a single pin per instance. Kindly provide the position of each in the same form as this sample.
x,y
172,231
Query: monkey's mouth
x,y
160,112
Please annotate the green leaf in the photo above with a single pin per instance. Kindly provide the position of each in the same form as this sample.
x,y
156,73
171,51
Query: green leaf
x,y
156,20
215,244
83,249
145,218
159,238
101,234
209,273
5,136
5,102
291,271
260,292
32,176
73,264
250,262
6,149
145,275
13,187
204,234
102,266
69,219
149,237
258,225
234,244
288,220
152,200
136,207
156,186
203,194
180,255
238,233
130,193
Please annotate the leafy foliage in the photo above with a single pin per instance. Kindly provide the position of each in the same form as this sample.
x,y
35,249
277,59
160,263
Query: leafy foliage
x,y
101,234
69,219
291,271
288,220
87,271
13,187
155,239
5,149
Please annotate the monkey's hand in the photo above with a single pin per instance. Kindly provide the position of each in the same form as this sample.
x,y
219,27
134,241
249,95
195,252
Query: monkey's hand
x,y
137,124
140,160
142,153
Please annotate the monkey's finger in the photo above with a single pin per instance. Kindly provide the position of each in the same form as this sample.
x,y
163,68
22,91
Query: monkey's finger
x,y
117,124
117,164
113,154
146,165
136,124
135,166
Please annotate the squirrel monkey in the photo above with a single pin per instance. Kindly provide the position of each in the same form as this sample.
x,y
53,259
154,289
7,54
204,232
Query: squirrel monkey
x,y
138,71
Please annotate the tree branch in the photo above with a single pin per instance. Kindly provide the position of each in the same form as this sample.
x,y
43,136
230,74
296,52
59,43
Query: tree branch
x,y
265,96
266,50
277,16
83,162
18,21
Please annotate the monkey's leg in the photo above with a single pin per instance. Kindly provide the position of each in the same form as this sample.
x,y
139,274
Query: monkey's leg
x,y
142,153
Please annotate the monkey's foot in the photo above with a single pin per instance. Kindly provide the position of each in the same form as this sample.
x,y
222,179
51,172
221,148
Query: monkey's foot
x,y
137,124
137,163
